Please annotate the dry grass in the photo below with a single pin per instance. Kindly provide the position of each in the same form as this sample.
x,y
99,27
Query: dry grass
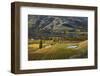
x,y
33,45
59,51
83,44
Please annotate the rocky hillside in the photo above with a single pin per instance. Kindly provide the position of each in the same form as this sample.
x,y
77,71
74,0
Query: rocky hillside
x,y
50,25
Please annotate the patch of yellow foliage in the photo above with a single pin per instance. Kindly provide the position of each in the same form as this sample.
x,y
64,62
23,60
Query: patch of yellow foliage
x,y
33,45
83,44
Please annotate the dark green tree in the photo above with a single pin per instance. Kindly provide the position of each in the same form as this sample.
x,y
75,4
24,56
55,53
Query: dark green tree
x,y
41,44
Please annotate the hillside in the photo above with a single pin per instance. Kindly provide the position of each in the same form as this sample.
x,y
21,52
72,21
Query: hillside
x,y
52,25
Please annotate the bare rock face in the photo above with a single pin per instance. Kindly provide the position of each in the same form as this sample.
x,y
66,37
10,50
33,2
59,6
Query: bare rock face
x,y
50,25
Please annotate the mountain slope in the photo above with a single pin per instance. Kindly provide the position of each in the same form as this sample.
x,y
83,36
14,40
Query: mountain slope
x,y
51,24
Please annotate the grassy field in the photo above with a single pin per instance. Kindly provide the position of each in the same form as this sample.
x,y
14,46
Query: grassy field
x,y
49,51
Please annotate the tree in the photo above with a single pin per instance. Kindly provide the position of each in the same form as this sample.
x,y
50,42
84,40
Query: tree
x,y
40,44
